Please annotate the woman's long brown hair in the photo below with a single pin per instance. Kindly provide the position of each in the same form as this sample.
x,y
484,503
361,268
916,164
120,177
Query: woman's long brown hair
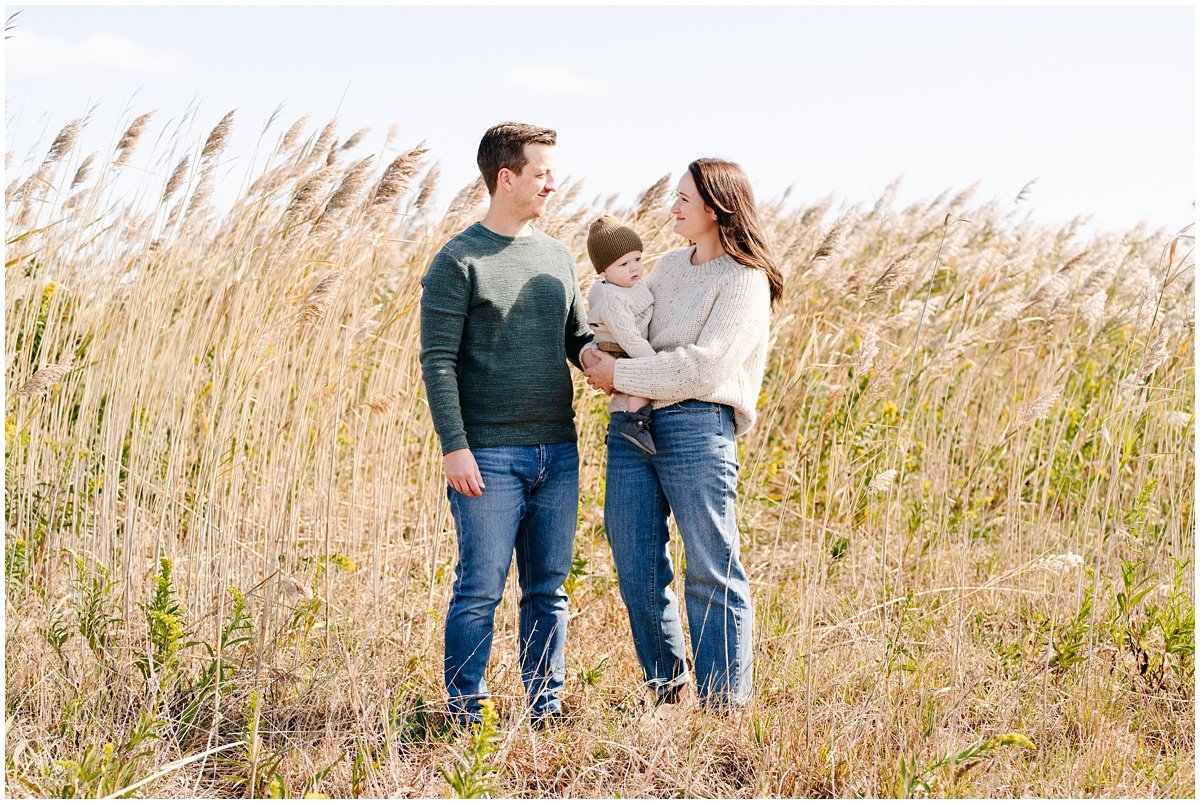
x,y
725,189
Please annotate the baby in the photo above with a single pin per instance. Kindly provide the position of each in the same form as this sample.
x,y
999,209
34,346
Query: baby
x,y
619,309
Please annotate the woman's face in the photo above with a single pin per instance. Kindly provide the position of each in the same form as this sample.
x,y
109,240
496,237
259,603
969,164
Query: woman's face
x,y
693,219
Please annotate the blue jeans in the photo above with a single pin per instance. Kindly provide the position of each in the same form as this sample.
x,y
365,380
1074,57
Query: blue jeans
x,y
530,505
694,477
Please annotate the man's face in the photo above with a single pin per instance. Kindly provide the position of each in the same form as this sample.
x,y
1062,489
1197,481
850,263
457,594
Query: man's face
x,y
533,186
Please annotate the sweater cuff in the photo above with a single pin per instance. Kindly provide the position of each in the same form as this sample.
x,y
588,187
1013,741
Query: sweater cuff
x,y
622,379
456,441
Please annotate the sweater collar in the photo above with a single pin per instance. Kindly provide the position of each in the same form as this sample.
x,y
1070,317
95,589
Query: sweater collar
x,y
482,230
722,260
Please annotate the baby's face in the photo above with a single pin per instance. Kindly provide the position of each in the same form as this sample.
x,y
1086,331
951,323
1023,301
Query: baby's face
x,y
626,271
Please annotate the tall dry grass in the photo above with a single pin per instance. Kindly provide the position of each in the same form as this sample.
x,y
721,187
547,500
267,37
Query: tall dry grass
x,y
966,510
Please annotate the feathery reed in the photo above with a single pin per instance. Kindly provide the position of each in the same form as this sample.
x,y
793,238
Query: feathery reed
x,y
42,380
320,298
129,139
64,142
652,197
83,171
176,180
218,138
291,137
395,179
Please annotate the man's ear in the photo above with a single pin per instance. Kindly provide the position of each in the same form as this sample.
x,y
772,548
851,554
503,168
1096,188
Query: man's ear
x,y
505,178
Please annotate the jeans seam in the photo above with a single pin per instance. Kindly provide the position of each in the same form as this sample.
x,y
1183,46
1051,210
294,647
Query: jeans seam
x,y
734,662
658,640
524,642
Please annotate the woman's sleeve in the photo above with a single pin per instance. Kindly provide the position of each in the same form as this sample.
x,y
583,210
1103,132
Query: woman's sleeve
x,y
737,323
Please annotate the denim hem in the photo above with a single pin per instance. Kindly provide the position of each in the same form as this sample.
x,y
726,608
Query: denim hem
x,y
662,689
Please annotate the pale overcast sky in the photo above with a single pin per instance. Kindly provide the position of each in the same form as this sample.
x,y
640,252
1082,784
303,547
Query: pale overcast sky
x,y
1097,102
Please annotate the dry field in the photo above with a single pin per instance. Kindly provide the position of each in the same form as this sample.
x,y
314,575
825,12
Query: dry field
x,y
967,508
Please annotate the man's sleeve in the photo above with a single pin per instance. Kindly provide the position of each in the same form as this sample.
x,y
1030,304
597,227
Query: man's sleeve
x,y
578,334
445,299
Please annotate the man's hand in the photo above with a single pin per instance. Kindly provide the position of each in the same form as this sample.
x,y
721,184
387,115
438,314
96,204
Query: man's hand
x,y
462,473
600,372
589,357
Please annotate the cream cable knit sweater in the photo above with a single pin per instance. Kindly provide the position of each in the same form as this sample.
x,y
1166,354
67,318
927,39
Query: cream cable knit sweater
x,y
710,327
621,315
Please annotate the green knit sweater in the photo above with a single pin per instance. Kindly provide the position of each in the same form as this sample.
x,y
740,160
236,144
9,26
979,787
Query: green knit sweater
x,y
500,317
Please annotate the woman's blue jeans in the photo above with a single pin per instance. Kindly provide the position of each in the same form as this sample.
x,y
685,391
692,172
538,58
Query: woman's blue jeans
x,y
530,506
693,477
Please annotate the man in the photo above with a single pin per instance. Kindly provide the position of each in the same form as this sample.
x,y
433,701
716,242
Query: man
x,y
501,313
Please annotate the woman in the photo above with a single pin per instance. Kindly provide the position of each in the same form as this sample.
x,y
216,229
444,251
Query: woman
x,y
712,310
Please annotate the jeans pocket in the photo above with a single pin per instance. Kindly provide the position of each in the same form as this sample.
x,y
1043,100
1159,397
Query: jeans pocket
x,y
695,415
689,407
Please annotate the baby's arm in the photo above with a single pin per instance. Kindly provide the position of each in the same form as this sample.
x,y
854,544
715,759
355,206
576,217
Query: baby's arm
x,y
620,316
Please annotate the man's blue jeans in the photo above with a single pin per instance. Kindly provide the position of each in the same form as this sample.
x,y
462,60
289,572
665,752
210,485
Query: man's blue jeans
x,y
530,505
694,477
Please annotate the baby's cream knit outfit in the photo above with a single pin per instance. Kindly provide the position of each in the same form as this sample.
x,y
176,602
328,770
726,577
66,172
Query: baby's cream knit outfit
x,y
621,315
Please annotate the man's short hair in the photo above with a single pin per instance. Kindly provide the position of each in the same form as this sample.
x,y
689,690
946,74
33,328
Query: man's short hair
x,y
503,146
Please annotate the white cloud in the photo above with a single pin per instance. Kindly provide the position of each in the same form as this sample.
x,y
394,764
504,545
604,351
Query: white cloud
x,y
30,53
553,79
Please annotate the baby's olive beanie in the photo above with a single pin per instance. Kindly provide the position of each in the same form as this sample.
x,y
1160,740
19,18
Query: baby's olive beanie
x,y
608,241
